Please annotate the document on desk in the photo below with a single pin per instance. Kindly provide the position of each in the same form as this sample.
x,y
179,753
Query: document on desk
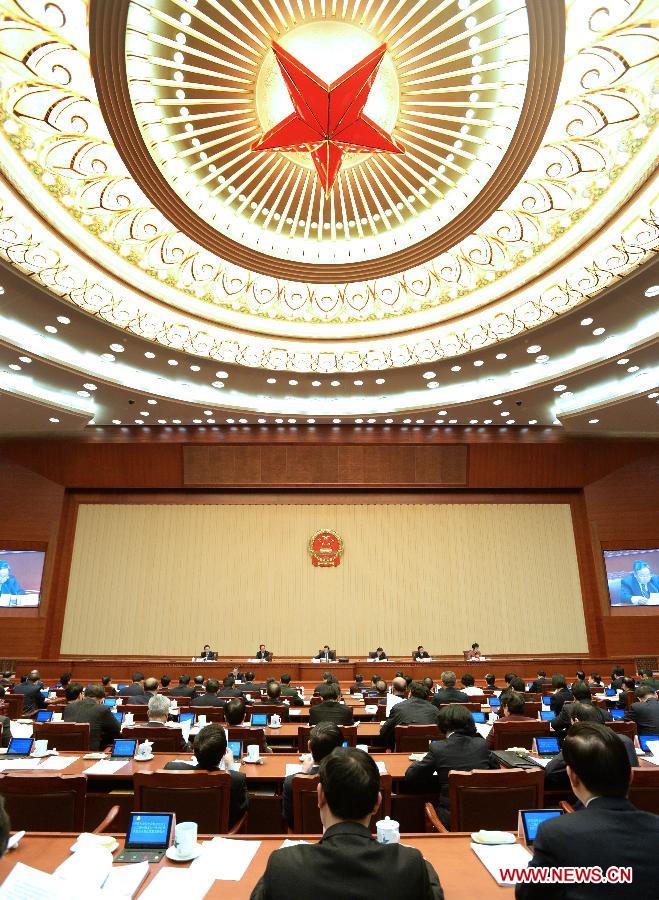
x,y
382,766
57,763
496,857
26,883
542,761
178,883
225,859
654,760
89,867
124,880
106,767
483,728
293,769
15,765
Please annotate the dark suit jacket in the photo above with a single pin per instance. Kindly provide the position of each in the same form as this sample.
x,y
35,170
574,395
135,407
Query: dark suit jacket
x,y
5,724
422,655
207,700
321,655
608,832
562,721
450,695
229,692
408,712
252,687
134,688
103,727
556,769
458,751
182,691
262,654
239,800
32,697
330,711
347,864
630,587
538,685
646,716
559,698
138,699
291,695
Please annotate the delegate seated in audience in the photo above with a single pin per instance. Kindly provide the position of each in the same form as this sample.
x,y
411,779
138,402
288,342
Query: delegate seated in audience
x,y
421,653
594,680
289,693
380,688
429,683
469,686
560,695
607,831
229,688
512,710
491,682
328,678
32,696
108,687
150,690
399,687
581,694
646,676
210,698
89,707
346,863
273,693
448,692
414,711
358,686
183,689
323,738
165,682
234,711
617,674
628,686
135,688
516,685
210,750
539,684
556,769
250,686
64,680
198,685
463,749
645,712
330,710
5,727
158,717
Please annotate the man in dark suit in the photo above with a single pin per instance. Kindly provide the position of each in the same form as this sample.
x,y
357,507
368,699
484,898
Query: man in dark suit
x,y
414,711
512,710
5,725
150,690
607,831
325,655
323,738
210,698
464,749
229,688
421,654
561,693
645,712
32,696
635,588
249,686
448,692
289,693
207,653
330,710
103,727
538,685
210,750
581,694
347,862
263,654
617,675
136,688
184,689
378,654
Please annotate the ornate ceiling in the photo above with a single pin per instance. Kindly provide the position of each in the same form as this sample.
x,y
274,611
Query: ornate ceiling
x,y
328,209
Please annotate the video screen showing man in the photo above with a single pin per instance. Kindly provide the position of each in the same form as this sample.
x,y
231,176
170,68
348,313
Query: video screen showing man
x,y
20,577
636,584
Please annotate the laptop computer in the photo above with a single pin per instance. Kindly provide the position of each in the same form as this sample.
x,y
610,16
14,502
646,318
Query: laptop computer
x,y
532,819
236,748
546,715
546,701
546,747
618,713
123,748
44,715
260,720
186,717
19,747
494,702
643,741
119,716
110,701
479,717
610,692
148,837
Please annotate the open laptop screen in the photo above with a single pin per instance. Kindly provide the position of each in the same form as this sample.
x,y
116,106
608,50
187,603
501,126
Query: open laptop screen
x,y
532,819
547,744
20,746
123,747
149,831
259,719
43,715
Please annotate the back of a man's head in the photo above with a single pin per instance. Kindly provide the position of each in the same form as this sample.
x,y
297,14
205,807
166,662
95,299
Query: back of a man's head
x,y
199,679
508,677
598,757
165,680
33,677
351,782
150,685
359,679
285,678
106,680
448,679
419,690
518,684
64,678
249,676
323,738
228,682
467,680
558,681
381,686
399,685
583,712
210,745
645,690
4,827
542,673
137,676
273,690
184,680
325,692
234,711
73,691
95,691
456,719
212,686
515,703
581,691
490,678
158,707
628,683
427,681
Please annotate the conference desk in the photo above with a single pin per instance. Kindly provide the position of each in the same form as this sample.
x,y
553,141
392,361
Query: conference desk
x,y
462,875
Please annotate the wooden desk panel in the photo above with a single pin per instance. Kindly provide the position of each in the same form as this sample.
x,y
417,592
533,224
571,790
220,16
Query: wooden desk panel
x,y
460,872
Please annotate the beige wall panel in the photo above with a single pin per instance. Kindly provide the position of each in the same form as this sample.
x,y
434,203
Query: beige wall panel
x,y
165,579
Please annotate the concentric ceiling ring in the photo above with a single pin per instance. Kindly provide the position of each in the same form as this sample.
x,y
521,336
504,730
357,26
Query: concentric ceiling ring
x,y
427,236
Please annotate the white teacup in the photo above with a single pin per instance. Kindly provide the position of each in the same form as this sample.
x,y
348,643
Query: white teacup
x,y
185,838
129,719
57,717
40,748
275,720
388,831
201,720
252,752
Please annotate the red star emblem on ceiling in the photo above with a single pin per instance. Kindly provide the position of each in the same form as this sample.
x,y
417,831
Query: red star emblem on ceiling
x,y
329,119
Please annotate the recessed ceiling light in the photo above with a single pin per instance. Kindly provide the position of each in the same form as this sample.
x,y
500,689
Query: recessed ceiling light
x,y
311,421
534,348
172,362
506,413
632,369
497,402
510,422
242,421
430,374
291,421
221,375
271,380
586,322
473,421
118,348
487,421
379,380
139,422
54,421
176,421
533,421
83,393
229,421
455,368
51,329
64,320
560,387
432,385
623,362
388,421
372,421
358,421
150,355
420,421
17,368
653,395
279,421
116,421
407,421
566,394
502,355
315,383
108,357
90,386
478,362
163,421
218,384
652,291
261,421
441,412
292,382
335,383
358,382
194,421
195,368
143,412
25,359
152,402
336,421
453,421
439,421
593,421
598,331
543,358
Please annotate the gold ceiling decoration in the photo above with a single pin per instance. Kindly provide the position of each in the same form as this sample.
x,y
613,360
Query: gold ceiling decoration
x,y
563,231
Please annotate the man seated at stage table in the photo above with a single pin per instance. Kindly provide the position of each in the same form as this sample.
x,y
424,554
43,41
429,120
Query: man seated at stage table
x,y
512,710
421,654
210,751
326,655
184,688
263,654
464,749
413,711
645,712
330,710
135,688
323,738
448,693
468,686
581,694
103,727
32,696
607,831
210,698
346,862
556,778
378,654
289,693
207,653
474,653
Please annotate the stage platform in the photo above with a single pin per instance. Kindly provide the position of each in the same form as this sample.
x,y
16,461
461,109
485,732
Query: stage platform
x,y
88,668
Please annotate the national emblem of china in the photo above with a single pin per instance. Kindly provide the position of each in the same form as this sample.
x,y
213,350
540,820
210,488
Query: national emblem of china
x,y
325,549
